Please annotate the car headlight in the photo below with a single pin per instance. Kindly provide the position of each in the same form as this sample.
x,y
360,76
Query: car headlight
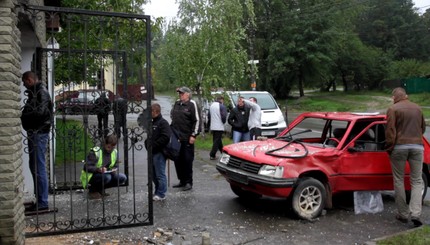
x,y
224,158
272,171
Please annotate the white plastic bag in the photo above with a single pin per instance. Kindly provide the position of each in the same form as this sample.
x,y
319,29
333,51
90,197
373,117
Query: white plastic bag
x,y
368,202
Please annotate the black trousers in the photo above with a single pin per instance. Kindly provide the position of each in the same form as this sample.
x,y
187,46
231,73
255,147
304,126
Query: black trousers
x,y
103,124
254,133
216,143
184,165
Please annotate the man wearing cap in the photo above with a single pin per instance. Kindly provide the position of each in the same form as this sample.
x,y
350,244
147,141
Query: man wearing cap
x,y
186,121
404,140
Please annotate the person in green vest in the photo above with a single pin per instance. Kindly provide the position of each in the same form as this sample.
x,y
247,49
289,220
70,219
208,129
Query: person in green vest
x,y
101,169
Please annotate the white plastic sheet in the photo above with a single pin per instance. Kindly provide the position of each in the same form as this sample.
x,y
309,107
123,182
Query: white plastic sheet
x,y
368,202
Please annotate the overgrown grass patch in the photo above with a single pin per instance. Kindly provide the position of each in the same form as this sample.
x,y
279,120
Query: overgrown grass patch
x,y
72,142
419,236
205,142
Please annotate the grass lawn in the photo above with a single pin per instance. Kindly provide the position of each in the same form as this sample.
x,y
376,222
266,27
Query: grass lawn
x,y
419,236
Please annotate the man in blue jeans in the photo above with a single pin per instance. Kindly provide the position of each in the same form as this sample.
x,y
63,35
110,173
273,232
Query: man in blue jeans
x,y
160,138
36,119
404,139
238,119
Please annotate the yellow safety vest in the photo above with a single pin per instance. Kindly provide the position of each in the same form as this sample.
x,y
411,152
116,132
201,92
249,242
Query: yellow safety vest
x,y
86,176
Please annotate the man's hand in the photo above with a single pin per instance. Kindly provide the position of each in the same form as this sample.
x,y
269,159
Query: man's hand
x,y
192,140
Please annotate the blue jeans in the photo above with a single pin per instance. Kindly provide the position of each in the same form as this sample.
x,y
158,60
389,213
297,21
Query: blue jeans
x,y
99,182
240,136
159,179
37,144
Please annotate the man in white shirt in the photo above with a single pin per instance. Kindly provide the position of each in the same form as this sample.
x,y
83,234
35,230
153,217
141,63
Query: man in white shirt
x,y
217,116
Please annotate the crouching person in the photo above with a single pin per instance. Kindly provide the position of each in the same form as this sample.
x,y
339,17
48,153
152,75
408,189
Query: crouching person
x,y
101,169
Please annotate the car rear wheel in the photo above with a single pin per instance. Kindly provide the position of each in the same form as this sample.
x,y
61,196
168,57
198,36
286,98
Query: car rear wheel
x,y
243,193
308,198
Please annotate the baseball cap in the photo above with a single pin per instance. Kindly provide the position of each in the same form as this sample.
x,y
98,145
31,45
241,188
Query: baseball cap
x,y
183,90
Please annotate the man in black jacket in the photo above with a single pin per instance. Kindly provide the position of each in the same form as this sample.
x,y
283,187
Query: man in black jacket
x,y
238,119
37,118
160,138
186,121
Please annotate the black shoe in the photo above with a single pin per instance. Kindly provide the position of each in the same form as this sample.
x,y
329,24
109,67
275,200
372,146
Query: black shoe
x,y
401,219
35,208
417,222
105,194
179,185
187,187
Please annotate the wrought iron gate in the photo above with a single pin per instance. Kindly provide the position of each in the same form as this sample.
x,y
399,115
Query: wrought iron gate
x,y
90,53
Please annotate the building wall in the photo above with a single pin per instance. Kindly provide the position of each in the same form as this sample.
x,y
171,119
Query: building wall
x,y
11,198
12,222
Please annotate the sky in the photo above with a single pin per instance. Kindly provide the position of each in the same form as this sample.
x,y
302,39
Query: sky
x,y
169,9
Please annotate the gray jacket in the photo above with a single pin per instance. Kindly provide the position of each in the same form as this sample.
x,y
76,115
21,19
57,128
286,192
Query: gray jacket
x,y
254,120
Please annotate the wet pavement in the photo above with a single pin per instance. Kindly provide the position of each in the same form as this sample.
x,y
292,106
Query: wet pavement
x,y
211,210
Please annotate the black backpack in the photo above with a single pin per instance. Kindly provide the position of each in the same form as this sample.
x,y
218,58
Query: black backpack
x,y
172,149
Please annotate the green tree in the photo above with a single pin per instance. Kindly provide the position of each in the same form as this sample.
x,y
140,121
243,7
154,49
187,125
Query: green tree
x,y
396,27
203,49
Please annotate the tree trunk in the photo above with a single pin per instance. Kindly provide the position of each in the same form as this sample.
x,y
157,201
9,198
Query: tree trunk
x,y
302,92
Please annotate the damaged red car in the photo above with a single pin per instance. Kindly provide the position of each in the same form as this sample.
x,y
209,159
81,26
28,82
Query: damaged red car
x,y
319,155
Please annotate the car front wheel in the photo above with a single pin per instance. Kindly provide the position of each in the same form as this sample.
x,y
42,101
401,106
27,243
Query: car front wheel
x,y
308,198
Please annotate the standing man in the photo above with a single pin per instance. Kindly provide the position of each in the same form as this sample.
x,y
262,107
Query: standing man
x,y
186,121
102,105
218,116
119,108
238,119
404,133
160,138
37,118
254,122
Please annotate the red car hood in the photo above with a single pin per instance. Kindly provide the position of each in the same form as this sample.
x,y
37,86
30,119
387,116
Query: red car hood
x,y
274,151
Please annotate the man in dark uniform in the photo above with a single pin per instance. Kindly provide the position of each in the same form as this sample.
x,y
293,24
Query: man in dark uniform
x,y
102,106
119,109
186,121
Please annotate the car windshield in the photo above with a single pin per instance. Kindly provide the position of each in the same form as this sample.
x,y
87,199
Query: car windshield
x,y
264,100
316,130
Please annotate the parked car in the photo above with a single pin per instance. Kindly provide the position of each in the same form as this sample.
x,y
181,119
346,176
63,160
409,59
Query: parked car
x,y
272,118
319,155
83,102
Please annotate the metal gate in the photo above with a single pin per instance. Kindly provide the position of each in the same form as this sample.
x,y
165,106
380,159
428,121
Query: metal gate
x,y
91,54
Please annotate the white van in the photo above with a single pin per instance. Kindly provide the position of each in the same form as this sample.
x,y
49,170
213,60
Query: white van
x,y
272,119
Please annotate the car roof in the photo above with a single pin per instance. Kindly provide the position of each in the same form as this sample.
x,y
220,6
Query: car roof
x,y
347,116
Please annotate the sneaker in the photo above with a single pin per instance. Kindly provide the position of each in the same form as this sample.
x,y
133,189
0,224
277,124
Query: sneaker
x,y
213,158
158,198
